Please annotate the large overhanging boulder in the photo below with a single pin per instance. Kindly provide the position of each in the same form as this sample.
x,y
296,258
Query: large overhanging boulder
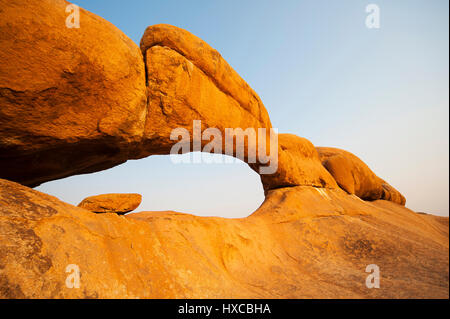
x,y
72,100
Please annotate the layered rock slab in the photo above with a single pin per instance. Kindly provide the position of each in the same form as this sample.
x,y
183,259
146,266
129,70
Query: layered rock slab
x,y
73,100
303,242
118,203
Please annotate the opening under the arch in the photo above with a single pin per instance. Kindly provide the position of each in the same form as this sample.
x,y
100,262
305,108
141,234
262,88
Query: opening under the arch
x,y
213,187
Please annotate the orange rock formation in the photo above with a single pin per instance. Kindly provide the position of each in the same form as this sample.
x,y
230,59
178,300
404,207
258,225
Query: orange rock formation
x,y
80,101
355,177
111,203
303,242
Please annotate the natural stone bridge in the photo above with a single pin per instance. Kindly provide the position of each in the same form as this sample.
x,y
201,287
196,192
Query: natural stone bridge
x,y
76,101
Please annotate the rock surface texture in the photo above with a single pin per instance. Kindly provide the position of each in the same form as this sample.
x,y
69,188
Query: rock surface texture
x,y
111,203
76,101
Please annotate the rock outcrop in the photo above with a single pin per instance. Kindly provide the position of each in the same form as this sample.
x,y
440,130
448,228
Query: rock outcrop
x,y
303,242
188,81
72,100
76,101
83,91
111,203
355,177
93,100
298,165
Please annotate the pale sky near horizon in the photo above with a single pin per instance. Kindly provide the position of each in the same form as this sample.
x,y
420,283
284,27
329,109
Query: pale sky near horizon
x,y
381,94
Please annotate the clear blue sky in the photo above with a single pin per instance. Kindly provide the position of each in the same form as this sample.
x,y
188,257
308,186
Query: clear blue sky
x,y
379,93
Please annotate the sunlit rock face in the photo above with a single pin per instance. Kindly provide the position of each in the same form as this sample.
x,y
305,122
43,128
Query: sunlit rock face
x,y
188,80
355,177
73,100
298,165
303,242
94,106
99,100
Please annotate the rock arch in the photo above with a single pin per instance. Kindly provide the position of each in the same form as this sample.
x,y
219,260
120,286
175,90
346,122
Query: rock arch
x,y
100,100
61,116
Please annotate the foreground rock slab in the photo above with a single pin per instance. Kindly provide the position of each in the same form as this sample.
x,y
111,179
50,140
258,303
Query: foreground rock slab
x,y
111,203
303,242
